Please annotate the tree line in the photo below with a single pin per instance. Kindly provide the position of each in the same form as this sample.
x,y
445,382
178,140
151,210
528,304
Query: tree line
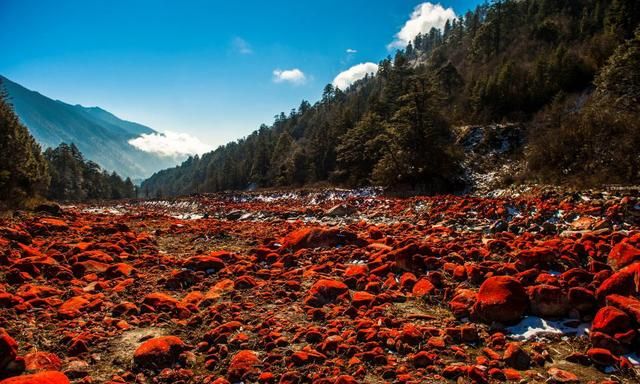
x,y
566,69
28,175
519,61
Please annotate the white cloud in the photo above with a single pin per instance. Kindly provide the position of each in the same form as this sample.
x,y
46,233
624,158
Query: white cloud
x,y
169,144
353,74
351,50
424,17
294,76
240,45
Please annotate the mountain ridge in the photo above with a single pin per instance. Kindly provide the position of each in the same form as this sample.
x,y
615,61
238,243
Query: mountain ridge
x,y
99,134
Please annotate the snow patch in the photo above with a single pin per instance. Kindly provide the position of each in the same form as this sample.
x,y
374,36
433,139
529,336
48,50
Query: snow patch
x,y
534,327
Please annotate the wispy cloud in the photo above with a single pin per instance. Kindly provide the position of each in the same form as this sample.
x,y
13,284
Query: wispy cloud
x,y
241,46
293,76
353,74
170,144
351,51
424,17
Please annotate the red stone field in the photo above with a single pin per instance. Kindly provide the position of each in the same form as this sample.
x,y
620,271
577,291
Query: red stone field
x,y
325,287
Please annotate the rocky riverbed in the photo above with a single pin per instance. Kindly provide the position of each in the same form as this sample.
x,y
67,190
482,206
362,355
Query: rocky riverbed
x,y
332,286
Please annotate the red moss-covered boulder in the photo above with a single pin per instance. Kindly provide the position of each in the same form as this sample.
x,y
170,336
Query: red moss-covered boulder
x,y
362,298
611,320
423,359
462,303
222,331
516,357
243,363
356,271
90,266
158,353
548,301
8,349
623,282
161,302
320,238
204,263
581,299
501,299
245,282
601,356
324,292
50,377
629,305
422,288
74,307
42,361
557,375
623,254
536,256
54,224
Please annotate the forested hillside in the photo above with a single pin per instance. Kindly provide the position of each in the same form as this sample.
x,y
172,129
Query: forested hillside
x,y
27,175
543,63
74,178
101,136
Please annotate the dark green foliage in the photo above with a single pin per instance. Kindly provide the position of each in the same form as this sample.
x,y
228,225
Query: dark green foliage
x,y
61,173
618,84
596,146
598,143
73,178
622,18
360,149
23,169
350,137
505,61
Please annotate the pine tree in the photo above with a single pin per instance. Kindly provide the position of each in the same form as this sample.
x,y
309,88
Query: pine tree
x,y
23,169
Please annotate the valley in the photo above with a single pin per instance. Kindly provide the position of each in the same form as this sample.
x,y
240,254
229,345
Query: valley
x,y
326,286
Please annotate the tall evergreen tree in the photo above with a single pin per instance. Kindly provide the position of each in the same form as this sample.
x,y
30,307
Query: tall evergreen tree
x,y
23,169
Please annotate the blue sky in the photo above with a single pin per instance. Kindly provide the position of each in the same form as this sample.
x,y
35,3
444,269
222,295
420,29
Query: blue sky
x,y
204,68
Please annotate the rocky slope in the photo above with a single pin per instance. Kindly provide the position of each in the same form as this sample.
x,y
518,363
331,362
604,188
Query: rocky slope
x,y
325,287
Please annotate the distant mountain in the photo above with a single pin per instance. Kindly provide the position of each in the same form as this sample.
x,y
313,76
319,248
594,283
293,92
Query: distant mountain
x,y
100,136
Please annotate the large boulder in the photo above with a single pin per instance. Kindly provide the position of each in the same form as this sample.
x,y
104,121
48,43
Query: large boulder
x,y
42,361
243,363
623,254
501,299
320,238
158,353
536,257
611,320
462,303
548,301
204,263
50,377
8,349
629,305
324,292
624,282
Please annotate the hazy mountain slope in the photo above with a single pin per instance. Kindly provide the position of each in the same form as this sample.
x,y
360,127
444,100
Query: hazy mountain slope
x,y
100,136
